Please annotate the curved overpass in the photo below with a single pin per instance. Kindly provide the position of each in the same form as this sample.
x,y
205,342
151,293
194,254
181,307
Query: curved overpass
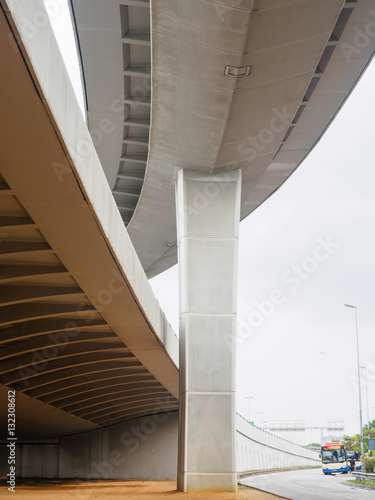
x,y
84,342
232,85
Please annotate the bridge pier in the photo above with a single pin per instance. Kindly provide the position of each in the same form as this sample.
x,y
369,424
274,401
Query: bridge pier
x,y
208,213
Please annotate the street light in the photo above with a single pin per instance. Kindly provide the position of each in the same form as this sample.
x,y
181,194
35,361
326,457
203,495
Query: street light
x,y
368,414
359,387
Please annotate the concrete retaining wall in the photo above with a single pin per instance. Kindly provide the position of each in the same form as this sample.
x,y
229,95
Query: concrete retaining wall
x,y
32,460
258,449
144,448
141,449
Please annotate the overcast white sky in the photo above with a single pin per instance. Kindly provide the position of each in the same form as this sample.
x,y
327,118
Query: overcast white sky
x,y
314,241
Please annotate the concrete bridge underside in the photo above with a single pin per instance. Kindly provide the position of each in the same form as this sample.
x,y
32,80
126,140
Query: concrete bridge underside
x,y
84,342
199,91
182,111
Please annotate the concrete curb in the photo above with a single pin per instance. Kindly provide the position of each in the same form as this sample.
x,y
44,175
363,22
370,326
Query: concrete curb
x,y
271,471
360,486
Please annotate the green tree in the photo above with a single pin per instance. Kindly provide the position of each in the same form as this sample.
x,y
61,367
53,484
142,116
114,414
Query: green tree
x,y
353,442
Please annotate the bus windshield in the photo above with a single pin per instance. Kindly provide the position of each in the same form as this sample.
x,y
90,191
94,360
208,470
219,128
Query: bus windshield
x,y
337,455
350,454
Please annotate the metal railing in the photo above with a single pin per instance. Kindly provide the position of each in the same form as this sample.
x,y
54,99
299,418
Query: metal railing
x,y
362,476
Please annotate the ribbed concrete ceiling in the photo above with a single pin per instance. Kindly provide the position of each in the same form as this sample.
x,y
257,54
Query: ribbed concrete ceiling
x,y
78,338
55,345
118,88
201,119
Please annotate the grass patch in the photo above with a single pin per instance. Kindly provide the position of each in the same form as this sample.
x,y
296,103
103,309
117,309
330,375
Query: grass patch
x,y
357,482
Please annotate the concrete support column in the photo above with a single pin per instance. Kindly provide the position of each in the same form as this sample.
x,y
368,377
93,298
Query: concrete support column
x,y
208,212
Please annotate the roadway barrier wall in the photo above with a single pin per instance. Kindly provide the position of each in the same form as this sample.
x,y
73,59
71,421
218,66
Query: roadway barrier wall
x,y
258,449
144,448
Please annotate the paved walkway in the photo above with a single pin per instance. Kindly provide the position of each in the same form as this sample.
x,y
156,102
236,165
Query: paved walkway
x,y
119,490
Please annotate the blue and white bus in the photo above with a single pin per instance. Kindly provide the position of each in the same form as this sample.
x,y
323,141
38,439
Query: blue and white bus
x,y
334,458
357,457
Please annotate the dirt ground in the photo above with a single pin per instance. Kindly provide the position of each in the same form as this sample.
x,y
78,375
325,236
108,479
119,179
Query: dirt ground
x,y
116,490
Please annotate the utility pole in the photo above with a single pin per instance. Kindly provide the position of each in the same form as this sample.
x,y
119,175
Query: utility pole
x,y
359,388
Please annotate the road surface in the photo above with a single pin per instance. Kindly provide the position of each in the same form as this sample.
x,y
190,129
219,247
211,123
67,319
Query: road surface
x,y
309,484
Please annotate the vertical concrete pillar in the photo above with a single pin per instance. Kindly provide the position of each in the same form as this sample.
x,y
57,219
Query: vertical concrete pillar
x,y
208,212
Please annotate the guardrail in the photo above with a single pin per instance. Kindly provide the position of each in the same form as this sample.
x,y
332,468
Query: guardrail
x,y
362,476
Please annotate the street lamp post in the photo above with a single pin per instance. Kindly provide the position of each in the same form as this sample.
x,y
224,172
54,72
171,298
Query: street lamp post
x,y
368,414
359,388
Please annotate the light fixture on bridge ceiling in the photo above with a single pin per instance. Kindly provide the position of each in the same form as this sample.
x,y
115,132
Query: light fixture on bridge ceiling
x,y
237,72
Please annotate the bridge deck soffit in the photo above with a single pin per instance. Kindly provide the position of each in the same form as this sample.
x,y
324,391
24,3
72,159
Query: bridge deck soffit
x,y
299,62
83,342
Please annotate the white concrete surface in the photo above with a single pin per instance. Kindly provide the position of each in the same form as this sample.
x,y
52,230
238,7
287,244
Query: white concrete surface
x,y
208,224
258,449
141,449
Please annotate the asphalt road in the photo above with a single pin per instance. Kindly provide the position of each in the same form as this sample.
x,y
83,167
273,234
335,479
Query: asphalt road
x,y
309,484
